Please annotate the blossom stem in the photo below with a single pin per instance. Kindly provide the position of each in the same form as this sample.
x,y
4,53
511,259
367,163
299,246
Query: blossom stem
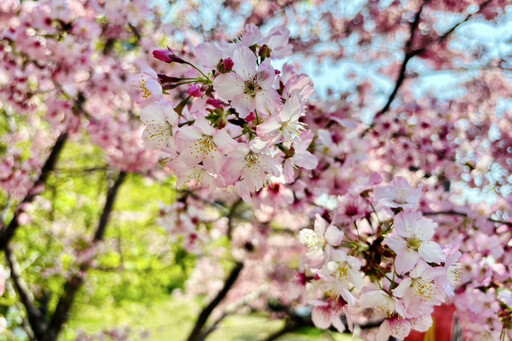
x,y
392,281
201,72
376,215
257,117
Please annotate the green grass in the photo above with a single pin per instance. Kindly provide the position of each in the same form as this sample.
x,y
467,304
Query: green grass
x,y
171,320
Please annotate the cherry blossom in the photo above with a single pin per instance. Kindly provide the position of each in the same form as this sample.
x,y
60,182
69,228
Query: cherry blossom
x,y
250,87
412,241
398,194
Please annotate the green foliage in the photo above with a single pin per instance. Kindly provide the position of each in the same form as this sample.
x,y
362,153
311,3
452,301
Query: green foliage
x,y
136,262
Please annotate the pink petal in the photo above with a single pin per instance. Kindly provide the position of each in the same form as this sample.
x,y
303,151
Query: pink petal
x,y
320,225
406,261
397,244
333,235
431,252
228,86
244,62
224,141
305,160
321,318
208,54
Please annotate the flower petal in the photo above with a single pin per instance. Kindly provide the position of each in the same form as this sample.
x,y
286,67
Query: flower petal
x,y
406,261
397,244
431,252
321,317
333,235
244,62
228,86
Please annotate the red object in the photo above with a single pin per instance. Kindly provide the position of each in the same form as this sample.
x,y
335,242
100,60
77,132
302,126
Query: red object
x,y
442,327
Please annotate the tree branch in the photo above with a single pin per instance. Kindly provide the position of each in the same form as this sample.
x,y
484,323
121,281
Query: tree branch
x,y
410,53
197,331
232,308
34,315
7,233
469,16
462,214
109,204
73,285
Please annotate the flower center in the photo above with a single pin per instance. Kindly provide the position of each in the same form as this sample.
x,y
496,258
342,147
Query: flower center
x,y
351,210
401,196
291,130
312,240
413,243
423,289
251,160
341,271
454,274
204,145
252,87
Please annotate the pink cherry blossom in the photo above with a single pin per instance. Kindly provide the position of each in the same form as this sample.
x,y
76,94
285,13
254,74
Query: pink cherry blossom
x,y
202,143
411,241
318,239
286,125
161,122
250,87
398,194
147,83
301,157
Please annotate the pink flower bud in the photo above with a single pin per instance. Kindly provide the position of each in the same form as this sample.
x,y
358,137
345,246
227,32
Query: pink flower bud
x,y
215,103
195,91
251,117
167,56
228,64
163,79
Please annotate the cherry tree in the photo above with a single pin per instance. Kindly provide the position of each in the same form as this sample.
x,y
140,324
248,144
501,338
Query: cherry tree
x,y
370,204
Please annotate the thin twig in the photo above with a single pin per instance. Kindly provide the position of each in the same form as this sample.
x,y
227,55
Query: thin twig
x,y
462,214
410,53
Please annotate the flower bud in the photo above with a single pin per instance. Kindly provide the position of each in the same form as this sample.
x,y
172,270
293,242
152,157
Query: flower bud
x,y
251,117
195,91
214,103
167,56
164,79
227,64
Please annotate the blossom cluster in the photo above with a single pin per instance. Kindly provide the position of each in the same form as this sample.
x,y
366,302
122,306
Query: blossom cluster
x,y
391,269
240,123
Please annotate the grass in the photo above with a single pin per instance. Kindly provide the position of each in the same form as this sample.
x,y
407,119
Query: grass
x,y
171,320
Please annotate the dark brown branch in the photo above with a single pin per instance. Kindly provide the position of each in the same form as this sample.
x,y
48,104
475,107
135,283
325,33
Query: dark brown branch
x,y
74,284
410,53
107,209
469,16
462,214
34,315
197,333
7,233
